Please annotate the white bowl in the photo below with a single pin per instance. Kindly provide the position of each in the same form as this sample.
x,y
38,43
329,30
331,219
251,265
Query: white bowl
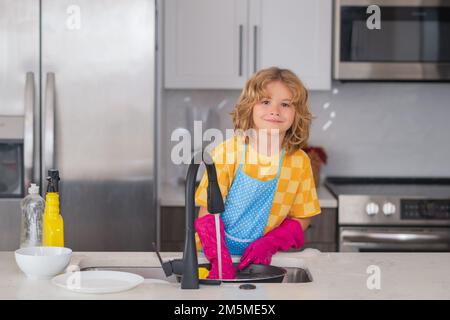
x,y
43,262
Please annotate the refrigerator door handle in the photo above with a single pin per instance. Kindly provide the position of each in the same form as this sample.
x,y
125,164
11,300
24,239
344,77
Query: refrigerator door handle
x,y
28,138
49,124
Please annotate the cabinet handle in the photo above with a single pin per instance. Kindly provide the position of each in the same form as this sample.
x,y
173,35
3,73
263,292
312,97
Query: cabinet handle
x,y
255,47
241,31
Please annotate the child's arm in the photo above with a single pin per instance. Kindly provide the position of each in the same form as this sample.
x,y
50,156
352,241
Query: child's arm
x,y
289,234
203,212
304,222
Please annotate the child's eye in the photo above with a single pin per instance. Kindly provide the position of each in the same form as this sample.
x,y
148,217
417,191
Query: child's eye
x,y
265,102
285,105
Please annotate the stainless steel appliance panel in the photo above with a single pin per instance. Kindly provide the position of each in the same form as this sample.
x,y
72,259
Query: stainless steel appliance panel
x,y
98,71
11,169
19,52
392,214
379,210
412,43
390,3
19,108
377,239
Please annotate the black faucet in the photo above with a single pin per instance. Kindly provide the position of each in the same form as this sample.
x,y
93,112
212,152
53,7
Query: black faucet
x,y
214,204
187,267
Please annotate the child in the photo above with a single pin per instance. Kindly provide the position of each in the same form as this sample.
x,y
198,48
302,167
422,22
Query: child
x,y
268,204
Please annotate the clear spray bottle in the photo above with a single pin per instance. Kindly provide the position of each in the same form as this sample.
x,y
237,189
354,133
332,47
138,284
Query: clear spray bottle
x,y
32,218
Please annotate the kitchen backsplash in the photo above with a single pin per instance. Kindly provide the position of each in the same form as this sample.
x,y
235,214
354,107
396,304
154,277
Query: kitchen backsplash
x,y
367,129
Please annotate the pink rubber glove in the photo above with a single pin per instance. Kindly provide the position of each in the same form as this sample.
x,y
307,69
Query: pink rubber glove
x,y
288,234
206,230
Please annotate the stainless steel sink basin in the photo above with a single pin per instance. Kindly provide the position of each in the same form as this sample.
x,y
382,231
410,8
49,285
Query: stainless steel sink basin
x,y
294,275
297,275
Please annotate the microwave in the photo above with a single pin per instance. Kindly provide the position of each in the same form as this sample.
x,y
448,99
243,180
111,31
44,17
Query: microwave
x,y
392,40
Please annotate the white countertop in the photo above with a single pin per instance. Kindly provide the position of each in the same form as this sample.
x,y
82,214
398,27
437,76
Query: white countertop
x,y
172,195
335,276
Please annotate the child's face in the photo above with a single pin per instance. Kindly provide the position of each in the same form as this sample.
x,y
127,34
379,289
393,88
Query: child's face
x,y
276,110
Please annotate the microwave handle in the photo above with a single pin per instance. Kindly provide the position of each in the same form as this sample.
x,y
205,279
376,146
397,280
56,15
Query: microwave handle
x,y
28,138
400,238
49,124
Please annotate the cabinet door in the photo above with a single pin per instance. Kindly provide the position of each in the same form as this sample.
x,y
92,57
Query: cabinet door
x,y
173,228
323,227
205,43
293,34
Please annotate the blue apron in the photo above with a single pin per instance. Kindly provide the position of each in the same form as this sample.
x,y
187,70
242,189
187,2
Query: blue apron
x,y
247,208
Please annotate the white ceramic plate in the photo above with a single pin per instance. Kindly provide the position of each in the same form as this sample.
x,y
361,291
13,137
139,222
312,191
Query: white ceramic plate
x,y
97,281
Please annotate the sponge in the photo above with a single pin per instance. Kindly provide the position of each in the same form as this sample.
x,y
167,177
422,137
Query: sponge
x,y
203,273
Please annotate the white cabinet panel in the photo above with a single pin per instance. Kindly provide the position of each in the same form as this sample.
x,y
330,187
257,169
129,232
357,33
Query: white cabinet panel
x,y
221,43
205,43
293,34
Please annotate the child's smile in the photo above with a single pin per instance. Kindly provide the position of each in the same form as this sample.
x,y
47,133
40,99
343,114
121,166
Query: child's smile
x,y
275,111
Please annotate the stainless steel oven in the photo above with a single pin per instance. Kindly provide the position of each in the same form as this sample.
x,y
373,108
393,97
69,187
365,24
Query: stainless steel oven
x,y
392,214
394,40
379,239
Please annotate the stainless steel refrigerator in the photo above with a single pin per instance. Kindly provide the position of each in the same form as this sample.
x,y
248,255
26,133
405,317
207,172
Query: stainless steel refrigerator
x,y
77,93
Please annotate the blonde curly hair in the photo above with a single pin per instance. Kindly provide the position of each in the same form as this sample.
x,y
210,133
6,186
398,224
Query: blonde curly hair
x,y
255,90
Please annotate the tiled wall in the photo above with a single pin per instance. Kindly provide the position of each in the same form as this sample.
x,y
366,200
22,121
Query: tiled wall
x,y
367,128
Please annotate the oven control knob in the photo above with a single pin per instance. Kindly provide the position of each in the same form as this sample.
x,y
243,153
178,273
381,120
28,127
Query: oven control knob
x,y
388,208
372,208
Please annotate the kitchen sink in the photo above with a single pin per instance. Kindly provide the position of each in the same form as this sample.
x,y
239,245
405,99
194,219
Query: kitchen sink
x,y
297,275
145,272
294,274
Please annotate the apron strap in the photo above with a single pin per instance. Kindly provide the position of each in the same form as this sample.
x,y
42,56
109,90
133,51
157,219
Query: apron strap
x,y
279,164
243,155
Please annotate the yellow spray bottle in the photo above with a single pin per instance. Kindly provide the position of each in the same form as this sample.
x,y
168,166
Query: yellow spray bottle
x,y
53,230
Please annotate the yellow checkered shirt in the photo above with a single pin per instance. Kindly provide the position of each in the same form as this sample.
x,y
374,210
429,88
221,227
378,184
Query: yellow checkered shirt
x,y
295,195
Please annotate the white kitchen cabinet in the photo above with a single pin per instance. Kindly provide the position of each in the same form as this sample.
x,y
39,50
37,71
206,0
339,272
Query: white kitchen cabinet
x,y
293,34
220,43
205,43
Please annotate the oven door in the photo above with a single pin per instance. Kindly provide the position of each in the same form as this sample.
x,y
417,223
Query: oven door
x,y
403,40
395,239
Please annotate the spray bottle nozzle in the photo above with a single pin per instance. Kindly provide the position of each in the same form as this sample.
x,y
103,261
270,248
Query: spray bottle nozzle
x,y
53,180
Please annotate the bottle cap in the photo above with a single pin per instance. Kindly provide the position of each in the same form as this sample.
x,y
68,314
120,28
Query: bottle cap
x,y
33,189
